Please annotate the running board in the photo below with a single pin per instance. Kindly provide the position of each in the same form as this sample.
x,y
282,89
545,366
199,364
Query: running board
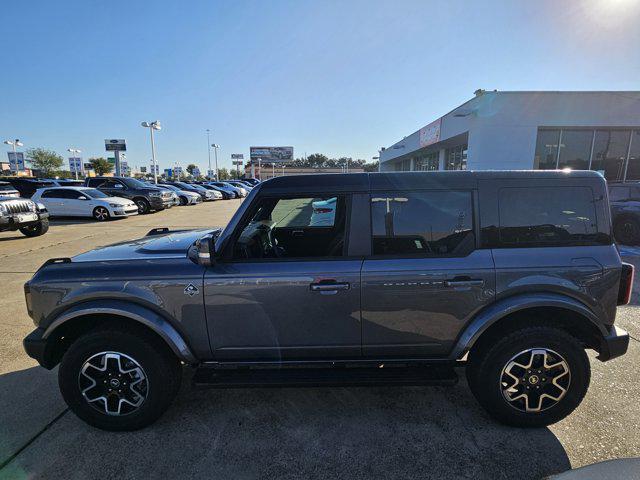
x,y
323,377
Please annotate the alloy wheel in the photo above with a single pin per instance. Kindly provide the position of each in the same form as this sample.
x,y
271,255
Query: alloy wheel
x,y
535,380
101,214
113,383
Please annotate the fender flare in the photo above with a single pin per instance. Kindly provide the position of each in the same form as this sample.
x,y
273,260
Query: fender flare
x,y
507,306
134,312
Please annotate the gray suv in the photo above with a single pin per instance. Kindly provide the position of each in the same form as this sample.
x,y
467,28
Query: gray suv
x,y
325,279
146,197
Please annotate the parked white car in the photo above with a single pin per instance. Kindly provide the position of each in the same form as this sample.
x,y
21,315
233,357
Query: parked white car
x,y
83,202
324,213
184,197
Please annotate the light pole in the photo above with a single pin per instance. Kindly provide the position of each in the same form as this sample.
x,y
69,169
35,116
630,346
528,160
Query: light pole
x,y
14,143
155,125
209,154
215,150
75,166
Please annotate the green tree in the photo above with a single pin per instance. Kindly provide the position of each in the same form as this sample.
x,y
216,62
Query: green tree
x,y
46,161
101,165
371,167
191,168
223,174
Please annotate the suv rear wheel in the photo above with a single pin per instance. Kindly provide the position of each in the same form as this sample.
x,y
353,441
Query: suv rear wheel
x,y
119,380
532,377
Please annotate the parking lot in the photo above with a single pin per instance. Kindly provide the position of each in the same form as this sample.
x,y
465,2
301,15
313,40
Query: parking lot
x,y
417,432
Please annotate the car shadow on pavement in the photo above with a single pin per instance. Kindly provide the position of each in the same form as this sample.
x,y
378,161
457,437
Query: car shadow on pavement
x,y
350,432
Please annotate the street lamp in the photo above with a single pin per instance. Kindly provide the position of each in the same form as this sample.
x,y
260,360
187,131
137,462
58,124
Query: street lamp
x,y
209,154
14,143
75,166
155,125
215,149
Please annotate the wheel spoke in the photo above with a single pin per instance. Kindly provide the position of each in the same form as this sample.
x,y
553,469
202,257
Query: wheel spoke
x,y
113,383
535,380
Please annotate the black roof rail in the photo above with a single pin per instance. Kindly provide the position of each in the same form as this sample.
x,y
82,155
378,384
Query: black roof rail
x,y
157,231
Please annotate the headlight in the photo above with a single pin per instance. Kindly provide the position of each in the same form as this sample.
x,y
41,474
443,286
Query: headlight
x,y
33,207
115,205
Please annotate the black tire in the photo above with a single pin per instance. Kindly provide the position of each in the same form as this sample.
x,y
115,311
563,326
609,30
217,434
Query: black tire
x,y
627,231
101,214
183,201
143,205
485,374
36,230
160,368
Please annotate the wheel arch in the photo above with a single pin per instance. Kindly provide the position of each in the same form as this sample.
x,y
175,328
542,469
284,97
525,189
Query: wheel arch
x,y
85,317
524,310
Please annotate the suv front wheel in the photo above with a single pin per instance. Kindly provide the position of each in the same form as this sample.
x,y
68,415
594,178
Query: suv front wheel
x,y
532,377
36,230
117,379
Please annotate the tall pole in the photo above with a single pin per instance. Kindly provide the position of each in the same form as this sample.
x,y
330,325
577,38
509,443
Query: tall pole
x,y
259,168
153,157
215,149
209,153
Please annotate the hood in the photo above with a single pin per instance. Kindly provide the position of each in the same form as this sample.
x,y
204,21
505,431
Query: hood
x,y
117,200
170,245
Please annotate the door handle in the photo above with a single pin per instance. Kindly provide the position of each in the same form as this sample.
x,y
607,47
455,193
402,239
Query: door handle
x,y
464,282
329,287
297,233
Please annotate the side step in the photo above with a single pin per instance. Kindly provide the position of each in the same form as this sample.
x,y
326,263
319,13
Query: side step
x,y
323,377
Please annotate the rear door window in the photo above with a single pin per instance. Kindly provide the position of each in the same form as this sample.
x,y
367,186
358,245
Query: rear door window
x,y
547,217
423,223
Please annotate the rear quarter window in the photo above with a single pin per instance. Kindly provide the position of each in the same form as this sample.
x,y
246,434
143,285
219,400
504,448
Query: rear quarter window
x,y
548,217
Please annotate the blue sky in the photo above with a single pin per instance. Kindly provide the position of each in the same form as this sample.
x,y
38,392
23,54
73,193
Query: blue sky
x,y
337,77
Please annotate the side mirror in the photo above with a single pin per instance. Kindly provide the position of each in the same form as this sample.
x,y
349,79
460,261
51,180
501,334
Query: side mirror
x,y
204,251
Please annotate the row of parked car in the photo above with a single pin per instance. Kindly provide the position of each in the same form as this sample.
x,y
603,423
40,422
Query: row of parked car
x,y
26,204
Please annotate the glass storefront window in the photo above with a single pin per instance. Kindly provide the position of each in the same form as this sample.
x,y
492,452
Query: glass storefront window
x,y
427,163
610,153
575,149
546,150
456,158
633,170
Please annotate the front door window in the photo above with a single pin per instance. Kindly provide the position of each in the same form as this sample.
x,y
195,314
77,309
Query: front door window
x,y
302,227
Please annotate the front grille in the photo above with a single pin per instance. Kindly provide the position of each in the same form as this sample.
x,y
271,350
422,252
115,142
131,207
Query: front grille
x,y
18,207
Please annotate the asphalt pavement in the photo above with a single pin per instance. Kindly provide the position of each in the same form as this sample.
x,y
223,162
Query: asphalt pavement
x,y
364,432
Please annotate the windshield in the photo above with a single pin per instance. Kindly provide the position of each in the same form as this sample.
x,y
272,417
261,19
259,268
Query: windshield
x,y
94,193
133,183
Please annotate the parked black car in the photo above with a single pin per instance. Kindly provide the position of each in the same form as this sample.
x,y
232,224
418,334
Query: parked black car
x,y
366,279
27,186
31,218
145,196
625,212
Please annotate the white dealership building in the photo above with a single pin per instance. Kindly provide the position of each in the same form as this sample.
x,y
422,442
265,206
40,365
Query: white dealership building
x,y
528,130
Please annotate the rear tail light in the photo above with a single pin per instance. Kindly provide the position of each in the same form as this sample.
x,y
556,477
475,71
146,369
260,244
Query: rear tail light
x,y
626,284
322,210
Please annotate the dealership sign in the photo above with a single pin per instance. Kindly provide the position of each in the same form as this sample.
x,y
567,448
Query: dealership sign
x,y
112,145
430,134
16,161
75,164
237,156
271,154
